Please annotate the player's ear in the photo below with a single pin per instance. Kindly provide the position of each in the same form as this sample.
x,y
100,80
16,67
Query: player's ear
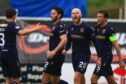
x,y
105,19
81,15
59,16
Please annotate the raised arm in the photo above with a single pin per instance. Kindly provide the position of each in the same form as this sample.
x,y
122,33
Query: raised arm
x,y
26,31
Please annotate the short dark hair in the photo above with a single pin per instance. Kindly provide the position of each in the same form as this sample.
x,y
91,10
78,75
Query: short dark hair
x,y
105,13
59,11
10,12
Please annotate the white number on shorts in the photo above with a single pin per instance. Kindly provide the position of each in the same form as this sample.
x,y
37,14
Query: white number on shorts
x,y
46,64
98,68
2,39
82,65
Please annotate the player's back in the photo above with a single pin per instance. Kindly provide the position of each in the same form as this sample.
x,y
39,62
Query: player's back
x,y
8,31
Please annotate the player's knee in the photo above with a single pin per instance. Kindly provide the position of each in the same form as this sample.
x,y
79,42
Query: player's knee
x,y
45,82
77,79
93,80
111,81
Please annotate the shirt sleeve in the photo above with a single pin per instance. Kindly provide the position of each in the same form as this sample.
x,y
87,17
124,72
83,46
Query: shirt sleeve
x,y
89,30
61,29
16,28
112,34
68,45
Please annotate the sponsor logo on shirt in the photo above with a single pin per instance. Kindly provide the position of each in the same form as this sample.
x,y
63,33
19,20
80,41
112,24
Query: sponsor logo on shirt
x,y
103,31
81,29
100,37
53,28
61,31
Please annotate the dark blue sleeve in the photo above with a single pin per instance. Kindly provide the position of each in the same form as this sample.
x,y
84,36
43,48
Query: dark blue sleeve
x,y
61,29
93,39
68,45
95,45
90,30
111,31
93,34
16,28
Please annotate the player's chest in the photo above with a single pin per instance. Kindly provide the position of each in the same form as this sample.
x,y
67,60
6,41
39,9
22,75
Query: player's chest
x,y
77,30
101,34
54,30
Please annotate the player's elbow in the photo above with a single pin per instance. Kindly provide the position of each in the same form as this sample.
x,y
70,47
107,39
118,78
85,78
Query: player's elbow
x,y
21,32
65,41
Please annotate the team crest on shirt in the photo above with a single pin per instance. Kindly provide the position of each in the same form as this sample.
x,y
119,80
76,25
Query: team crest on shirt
x,y
112,28
100,37
98,30
81,29
71,29
103,31
53,28
61,26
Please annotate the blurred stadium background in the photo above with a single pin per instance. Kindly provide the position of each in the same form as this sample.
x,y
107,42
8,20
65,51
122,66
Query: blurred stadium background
x,y
33,48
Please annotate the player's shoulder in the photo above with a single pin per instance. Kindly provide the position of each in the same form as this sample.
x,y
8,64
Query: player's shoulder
x,y
70,26
109,27
85,25
60,25
96,26
15,25
11,24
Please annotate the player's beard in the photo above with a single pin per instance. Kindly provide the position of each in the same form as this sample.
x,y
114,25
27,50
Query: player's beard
x,y
54,19
101,22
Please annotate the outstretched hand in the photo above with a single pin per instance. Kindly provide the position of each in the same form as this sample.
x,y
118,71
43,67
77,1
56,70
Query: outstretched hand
x,y
51,54
122,65
38,26
64,52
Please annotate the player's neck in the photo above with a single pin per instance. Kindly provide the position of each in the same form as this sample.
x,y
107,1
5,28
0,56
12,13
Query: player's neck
x,y
78,23
103,25
56,21
10,20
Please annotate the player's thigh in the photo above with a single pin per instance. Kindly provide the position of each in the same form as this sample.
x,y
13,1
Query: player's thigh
x,y
111,79
10,65
55,79
94,78
80,63
53,66
104,69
